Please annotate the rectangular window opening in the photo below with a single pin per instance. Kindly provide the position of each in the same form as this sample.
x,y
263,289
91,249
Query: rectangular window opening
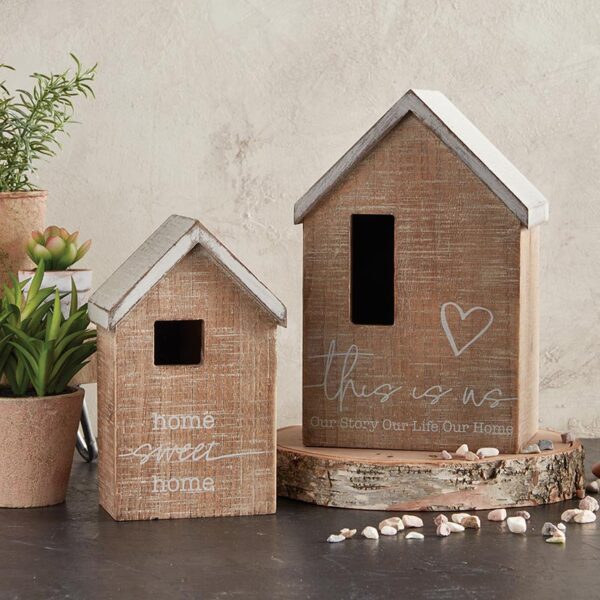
x,y
178,342
372,270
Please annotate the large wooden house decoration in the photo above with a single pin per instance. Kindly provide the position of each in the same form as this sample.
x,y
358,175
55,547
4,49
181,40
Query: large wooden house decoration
x,y
421,289
186,380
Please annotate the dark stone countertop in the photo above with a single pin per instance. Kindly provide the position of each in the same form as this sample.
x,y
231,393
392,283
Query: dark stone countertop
x,y
76,550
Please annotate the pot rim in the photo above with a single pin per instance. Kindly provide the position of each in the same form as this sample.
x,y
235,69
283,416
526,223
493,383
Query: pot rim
x,y
59,271
72,390
23,194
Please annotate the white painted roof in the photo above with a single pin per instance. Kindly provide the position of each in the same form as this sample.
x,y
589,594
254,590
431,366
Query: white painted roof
x,y
461,136
171,242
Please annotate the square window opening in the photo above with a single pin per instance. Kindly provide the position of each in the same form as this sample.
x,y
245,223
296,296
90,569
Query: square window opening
x,y
372,270
178,342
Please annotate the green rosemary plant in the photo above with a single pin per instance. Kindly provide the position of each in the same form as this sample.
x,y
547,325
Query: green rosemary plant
x,y
30,121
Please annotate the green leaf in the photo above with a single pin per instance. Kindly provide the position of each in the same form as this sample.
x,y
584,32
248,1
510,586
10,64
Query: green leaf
x,y
74,298
55,318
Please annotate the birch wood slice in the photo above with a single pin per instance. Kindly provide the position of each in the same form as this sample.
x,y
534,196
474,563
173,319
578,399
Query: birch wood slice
x,y
419,481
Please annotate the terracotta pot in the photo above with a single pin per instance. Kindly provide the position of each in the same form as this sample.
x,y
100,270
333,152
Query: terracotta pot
x,y
20,214
37,441
62,280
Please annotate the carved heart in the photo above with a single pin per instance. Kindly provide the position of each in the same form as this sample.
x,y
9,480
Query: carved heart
x,y
463,315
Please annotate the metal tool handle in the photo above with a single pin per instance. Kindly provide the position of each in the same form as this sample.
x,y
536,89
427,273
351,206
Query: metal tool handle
x,y
86,442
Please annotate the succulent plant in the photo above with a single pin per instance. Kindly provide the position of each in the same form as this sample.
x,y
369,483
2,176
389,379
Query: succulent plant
x,y
41,349
56,247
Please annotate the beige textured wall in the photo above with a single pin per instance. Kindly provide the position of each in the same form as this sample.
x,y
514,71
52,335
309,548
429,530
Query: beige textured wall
x,y
229,110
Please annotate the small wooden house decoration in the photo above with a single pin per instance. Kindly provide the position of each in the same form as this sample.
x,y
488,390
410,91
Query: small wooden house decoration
x,y
186,380
421,289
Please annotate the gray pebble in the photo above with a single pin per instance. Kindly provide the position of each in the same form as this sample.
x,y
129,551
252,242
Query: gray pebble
x,y
531,449
568,437
545,445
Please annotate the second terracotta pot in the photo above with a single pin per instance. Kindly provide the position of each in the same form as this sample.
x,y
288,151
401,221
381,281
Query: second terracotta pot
x,y
20,214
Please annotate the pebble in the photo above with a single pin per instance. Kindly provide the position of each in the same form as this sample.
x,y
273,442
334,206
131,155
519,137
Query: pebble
x,y
596,470
458,517
567,438
517,524
334,538
414,535
455,527
556,539
580,493
585,516
348,533
562,527
524,514
531,449
549,529
471,456
471,522
445,455
371,533
388,530
589,503
462,450
487,452
440,519
443,530
569,514
411,521
497,515
545,445
395,522
592,487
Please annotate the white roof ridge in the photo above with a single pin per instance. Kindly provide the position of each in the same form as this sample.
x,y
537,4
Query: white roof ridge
x,y
171,242
522,198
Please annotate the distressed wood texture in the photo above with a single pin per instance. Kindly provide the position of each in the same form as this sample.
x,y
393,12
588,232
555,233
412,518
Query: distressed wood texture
x,y
458,133
235,385
419,481
415,385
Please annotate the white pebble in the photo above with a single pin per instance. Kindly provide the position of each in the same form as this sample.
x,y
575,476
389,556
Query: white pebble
x,y
388,530
334,538
347,533
412,521
455,527
569,514
589,503
414,535
562,527
444,455
592,487
440,519
370,533
524,514
471,456
458,517
443,530
497,515
556,539
585,516
462,450
517,524
487,452
395,522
